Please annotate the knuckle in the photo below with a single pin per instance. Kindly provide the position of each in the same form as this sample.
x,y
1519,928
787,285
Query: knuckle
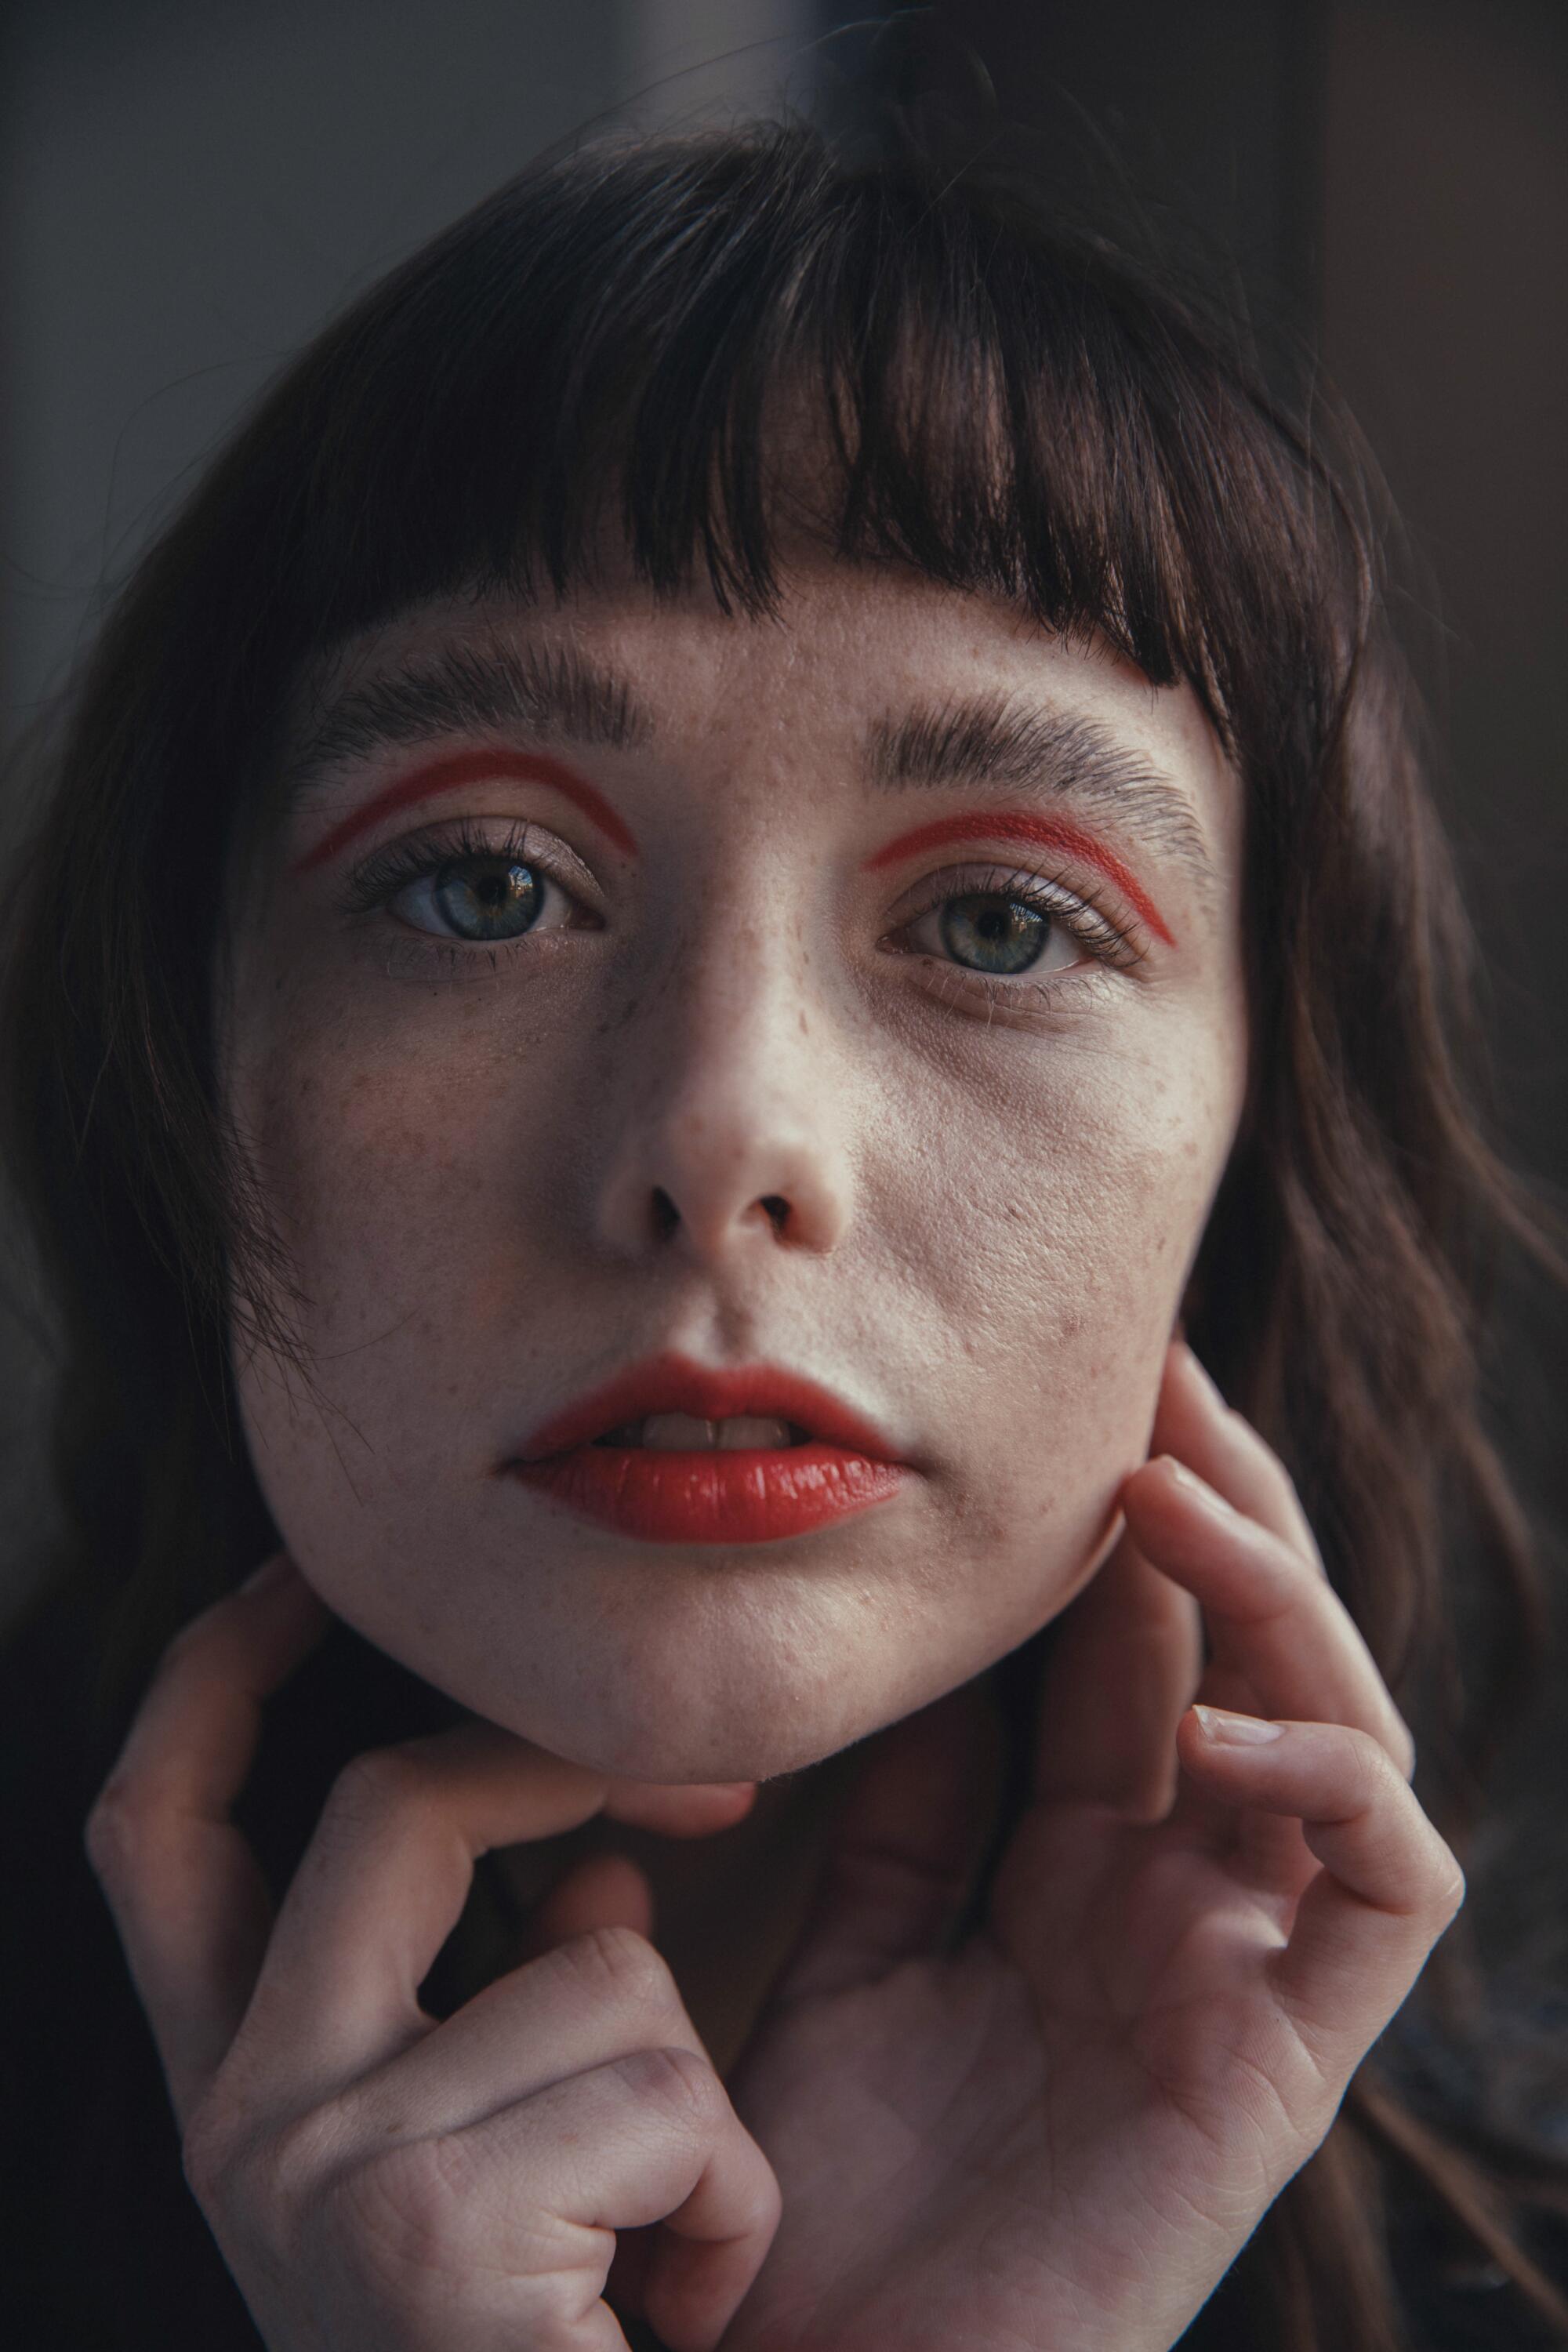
x,y
620,1964
1403,1747
206,2152
1381,1769
1449,1887
194,1636
412,2194
377,1781
232,2164
1274,1471
678,2080
411,2222
118,1831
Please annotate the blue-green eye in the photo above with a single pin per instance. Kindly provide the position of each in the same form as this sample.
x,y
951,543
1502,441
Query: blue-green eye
x,y
485,898
1009,924
990,933
465,888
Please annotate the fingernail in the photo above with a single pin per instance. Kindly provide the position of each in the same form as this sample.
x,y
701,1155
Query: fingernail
x,y
271,1572
1234,1730
1198,1486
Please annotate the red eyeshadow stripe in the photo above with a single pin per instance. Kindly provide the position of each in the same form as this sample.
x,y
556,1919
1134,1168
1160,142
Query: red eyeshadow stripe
x,y
1048,831
472,768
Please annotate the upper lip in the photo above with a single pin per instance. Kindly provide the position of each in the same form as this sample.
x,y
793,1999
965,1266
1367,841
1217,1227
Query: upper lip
x,y
671,1383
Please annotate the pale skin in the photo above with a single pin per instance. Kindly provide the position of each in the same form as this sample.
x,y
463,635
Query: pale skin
x,y
1061,2134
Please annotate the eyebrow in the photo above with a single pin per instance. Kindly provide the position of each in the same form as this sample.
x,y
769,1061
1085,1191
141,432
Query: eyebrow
x,y
560,694
553,694
999,738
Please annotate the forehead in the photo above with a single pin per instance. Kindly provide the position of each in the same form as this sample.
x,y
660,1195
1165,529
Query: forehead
x,y
847,644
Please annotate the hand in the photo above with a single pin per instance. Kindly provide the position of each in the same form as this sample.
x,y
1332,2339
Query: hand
x,y
378,2181
1060,2134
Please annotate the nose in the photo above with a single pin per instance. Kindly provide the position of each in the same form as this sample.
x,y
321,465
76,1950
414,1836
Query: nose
x,y
730,1136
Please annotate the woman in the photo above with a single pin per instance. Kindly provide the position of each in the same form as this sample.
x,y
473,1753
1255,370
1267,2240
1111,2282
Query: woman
x,y
745,878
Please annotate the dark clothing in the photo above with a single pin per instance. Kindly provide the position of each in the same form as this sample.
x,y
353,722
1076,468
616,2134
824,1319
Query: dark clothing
x,y
106,2248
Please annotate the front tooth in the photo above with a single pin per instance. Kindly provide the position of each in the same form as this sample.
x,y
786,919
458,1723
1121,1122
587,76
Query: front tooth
x,y
677,1432
681,1432
740,1431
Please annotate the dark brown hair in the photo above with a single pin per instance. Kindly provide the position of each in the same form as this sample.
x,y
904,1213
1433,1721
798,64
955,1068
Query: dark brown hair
x,y
1009,407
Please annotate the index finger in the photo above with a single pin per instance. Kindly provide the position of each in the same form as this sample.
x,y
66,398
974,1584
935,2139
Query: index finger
x,y
1272,1617
187,1894
1195,1423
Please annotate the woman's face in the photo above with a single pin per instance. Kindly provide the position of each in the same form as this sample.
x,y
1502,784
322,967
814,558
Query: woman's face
x,y
856,992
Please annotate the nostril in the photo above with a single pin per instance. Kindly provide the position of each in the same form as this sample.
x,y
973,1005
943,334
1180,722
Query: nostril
x,y
777,1207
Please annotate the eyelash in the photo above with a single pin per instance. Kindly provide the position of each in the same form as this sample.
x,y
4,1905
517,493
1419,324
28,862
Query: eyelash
x,y
380,879
1111,947
390,871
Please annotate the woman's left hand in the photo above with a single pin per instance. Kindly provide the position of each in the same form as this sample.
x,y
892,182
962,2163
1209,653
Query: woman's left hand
x,y
1060,2134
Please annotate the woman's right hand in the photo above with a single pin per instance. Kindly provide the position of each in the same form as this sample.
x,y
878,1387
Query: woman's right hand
x,y
379,2181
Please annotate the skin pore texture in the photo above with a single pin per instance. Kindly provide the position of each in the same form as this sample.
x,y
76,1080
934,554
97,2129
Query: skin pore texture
x,y
733,1096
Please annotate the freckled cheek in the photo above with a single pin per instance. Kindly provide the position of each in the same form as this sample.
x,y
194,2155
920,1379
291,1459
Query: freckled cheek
x,y
1066,1224
386,1172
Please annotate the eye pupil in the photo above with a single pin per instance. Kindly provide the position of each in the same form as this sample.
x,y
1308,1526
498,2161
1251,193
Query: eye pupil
x,y
993,934
485,899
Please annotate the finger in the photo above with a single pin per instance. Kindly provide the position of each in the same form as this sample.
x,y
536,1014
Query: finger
x,y
605,1890
383,1881
1123,1667
1271,1617
899,1865
648,2138
683,1810
1194,1423
188,1896
596,1996
1388,1887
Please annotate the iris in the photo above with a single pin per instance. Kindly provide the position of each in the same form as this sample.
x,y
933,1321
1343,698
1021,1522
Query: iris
x,y
500,904
993,934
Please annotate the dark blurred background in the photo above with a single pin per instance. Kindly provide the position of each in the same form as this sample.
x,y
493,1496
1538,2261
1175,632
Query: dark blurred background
x,y
191,186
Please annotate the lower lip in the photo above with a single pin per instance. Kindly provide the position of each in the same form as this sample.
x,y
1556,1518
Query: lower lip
x,y
754,1495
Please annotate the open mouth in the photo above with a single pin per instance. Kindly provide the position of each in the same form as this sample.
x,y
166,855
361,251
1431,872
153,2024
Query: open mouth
x,y
675,1452
682,1433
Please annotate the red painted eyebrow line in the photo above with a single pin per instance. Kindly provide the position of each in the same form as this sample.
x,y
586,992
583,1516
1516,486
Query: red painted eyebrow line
x,y
462,768
1019,825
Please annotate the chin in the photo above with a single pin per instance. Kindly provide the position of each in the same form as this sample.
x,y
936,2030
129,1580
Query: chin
x,y
751,1706
726,1728
720,1749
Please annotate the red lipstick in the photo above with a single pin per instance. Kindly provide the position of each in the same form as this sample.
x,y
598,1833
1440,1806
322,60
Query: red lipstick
x,y
749,1495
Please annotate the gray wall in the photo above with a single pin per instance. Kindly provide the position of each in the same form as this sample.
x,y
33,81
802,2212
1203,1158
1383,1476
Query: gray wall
x,y
191,186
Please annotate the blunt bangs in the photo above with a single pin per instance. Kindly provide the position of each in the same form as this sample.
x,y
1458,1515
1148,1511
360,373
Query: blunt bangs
x,y
623,339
